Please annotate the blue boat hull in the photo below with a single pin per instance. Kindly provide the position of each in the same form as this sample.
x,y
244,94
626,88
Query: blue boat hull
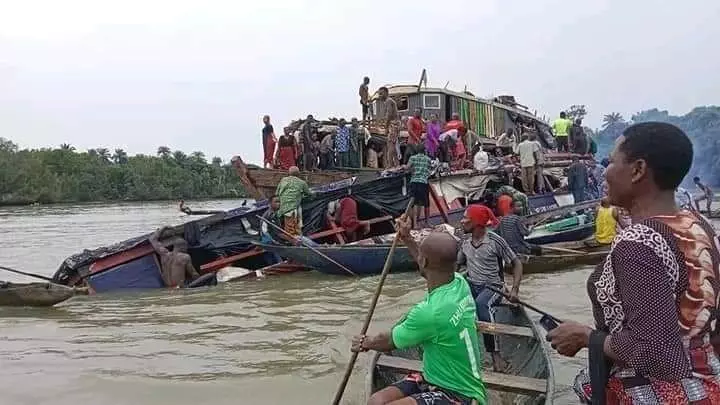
x,y
363,260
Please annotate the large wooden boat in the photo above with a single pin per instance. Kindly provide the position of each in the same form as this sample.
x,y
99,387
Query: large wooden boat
x,y
33,294
529,381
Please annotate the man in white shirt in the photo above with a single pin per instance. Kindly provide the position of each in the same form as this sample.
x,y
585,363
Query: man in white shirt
x,y
447,144
481,160
528,150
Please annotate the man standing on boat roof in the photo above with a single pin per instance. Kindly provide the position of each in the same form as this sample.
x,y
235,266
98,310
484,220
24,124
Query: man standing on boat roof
x,y
291,190
561,129
485,254
443,325
176,266
309,152
269,142
357,141
392,128
364,93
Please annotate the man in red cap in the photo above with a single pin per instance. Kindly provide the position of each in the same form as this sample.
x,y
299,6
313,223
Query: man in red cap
x,y
484,254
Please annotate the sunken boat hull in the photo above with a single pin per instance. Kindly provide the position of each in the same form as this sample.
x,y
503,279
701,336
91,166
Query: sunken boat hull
x,y
530,378
33,294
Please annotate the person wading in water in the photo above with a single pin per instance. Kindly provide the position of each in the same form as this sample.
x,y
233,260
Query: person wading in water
x,y
655,298
176,266
443,325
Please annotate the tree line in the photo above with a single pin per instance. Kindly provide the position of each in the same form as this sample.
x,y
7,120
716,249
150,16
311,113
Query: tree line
x,y
64,175
701,124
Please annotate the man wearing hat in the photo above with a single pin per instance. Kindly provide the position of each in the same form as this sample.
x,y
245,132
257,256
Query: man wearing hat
x,y
484,255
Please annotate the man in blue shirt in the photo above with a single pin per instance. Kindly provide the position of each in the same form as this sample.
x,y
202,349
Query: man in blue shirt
x,y
342,144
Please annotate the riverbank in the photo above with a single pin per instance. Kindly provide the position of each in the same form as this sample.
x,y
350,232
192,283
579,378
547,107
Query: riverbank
x,y
63,175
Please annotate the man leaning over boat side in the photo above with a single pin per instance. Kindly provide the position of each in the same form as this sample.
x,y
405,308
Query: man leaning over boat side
x,y
485,254
291,190
176,266
442,324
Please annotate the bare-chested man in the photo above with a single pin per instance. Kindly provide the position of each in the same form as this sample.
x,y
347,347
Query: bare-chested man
x,y
176,265
392,125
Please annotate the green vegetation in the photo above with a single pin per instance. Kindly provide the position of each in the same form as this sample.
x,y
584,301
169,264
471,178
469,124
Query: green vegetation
x,y
702,125
64,175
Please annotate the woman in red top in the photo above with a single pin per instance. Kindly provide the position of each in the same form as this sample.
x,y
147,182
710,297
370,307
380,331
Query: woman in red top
x,y
415,127
287,151
347,216
655,298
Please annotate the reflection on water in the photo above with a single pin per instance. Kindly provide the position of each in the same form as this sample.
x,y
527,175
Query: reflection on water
x,y
258,341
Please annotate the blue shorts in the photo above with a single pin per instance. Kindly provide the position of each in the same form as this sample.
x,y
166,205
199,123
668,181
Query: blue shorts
x,y
415,387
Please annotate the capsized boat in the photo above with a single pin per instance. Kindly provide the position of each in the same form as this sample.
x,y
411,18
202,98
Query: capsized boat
x,y
33,294
530,379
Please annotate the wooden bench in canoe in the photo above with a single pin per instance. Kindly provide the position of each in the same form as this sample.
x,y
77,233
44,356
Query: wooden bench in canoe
x,y
530,379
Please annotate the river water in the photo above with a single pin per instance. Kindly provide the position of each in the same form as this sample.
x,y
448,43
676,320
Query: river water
x,y
283,339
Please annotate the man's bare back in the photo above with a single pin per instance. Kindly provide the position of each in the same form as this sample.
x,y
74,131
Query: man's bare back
x,y
176,266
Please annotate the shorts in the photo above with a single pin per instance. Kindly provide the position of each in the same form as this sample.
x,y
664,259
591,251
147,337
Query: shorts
x,y
365,109
415,387
421,193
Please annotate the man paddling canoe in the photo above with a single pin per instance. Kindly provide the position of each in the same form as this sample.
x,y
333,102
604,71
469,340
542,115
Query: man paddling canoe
x,y
443,324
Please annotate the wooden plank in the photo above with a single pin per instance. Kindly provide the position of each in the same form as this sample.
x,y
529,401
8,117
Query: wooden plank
x,y
226,261
494,381
504,329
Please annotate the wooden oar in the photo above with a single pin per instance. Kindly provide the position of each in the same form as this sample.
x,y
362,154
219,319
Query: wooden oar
x,y
371,310
526,305
312,249
563,250
26,274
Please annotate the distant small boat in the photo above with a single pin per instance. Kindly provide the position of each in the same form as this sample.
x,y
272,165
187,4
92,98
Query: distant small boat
x,y
33,294
530,379
551,262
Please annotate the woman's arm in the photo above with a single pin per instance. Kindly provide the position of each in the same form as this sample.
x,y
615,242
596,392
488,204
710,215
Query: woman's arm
x,y
650,338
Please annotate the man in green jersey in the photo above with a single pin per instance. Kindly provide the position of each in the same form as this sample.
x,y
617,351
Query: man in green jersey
x,y
561,128
443,324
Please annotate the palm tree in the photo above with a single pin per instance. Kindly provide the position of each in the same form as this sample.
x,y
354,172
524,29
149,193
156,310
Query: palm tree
x,y
67,146
163,151
120,157
92,152
198,157
612,119
179,156
216,161
103,153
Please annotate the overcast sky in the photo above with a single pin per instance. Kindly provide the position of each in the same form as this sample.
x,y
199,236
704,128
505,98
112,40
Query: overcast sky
x,y
199,75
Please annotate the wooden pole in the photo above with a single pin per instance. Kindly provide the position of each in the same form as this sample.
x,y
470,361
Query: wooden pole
x,y
371,310
312,249
563,250
26,274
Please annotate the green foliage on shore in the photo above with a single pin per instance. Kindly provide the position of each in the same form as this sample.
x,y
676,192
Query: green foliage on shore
x,y
65,175
702,125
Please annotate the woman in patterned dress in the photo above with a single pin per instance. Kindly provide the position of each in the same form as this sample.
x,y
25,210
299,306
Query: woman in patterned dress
x,y
655,298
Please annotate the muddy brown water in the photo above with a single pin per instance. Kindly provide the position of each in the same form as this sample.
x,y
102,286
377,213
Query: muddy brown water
x,y
280,340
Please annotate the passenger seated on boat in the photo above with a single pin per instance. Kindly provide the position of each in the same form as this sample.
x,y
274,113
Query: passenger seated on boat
x,y
176,266
483,255
267,232
514,230
606,222
347,216
443,325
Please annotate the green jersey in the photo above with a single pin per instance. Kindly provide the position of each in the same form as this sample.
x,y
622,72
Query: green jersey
x,y
444,325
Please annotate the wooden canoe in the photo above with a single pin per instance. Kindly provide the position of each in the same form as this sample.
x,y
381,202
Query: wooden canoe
x,y
364,260
548,263
33,294
530,379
